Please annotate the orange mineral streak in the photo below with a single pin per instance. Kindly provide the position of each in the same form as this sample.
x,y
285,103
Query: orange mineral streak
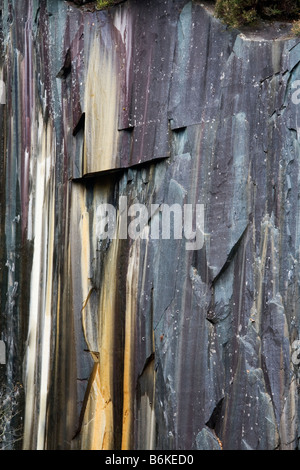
x,y
98,424
97,431
130,325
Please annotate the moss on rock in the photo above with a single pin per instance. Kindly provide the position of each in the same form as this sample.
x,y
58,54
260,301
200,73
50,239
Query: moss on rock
x,y
243,12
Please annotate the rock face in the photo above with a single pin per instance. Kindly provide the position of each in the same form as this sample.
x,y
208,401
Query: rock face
x,y
139,342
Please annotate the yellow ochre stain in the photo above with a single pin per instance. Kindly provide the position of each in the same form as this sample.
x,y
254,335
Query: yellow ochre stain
x,y
130,321
102,109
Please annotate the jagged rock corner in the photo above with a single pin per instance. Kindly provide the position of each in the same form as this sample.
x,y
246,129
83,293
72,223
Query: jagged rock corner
x,y
143,344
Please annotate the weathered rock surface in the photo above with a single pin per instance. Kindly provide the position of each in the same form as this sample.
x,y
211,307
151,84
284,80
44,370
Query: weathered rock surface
x,y
143,344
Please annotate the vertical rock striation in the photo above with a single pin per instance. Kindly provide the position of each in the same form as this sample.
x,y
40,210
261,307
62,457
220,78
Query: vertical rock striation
x,y
138,342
